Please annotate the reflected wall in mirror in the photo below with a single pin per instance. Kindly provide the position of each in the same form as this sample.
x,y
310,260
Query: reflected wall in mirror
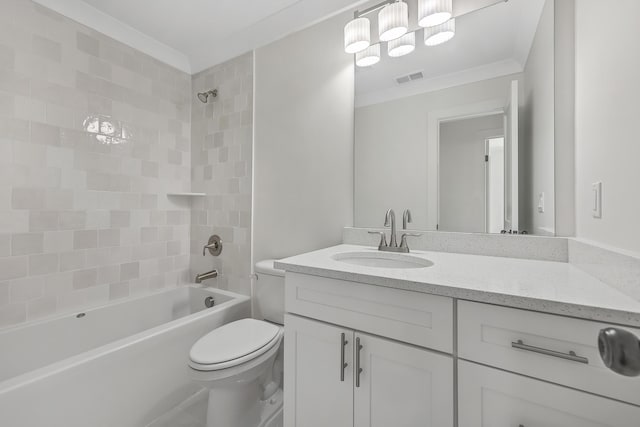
x,y
461,133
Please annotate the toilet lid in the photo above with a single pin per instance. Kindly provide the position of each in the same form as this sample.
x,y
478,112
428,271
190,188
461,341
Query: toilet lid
x,y
233,341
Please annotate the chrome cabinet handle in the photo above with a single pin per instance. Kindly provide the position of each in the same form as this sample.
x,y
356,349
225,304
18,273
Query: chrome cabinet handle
x,y
343,364
572,356
358,368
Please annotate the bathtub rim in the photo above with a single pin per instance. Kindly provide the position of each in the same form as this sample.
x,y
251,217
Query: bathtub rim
x,y
59,366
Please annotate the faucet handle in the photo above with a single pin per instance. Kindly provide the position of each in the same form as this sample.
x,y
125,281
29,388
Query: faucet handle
x,y
383,238
403,241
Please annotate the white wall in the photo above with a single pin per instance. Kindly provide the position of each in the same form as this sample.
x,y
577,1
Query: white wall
x,y
607,116
564,109
303,141
537,130
462,172
393,163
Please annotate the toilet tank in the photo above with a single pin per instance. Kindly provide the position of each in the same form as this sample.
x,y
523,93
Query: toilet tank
x,y
269,292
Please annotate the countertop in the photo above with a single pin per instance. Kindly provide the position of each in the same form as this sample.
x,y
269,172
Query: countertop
x,y
545,286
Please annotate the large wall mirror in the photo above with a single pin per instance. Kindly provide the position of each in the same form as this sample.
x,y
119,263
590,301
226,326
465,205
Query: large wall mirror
x,y
461,133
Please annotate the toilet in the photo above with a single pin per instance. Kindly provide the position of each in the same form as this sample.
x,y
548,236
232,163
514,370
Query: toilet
x,y
240,363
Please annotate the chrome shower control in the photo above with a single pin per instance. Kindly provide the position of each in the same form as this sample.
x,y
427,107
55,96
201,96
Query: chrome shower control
x,y
214,245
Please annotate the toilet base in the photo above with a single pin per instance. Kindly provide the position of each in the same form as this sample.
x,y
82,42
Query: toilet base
x,y
234,406
272,411
241,406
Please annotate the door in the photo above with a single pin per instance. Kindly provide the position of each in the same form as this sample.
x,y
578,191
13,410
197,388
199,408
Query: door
x,y
401,385
511,159
494,167
493,398
318,387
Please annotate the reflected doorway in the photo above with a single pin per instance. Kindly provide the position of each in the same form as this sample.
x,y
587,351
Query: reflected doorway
x,y
472,174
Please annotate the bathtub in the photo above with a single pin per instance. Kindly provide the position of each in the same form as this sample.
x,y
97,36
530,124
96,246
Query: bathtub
x,y
122,364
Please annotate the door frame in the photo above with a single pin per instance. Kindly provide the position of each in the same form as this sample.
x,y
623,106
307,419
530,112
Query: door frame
x,y
434,119
486,179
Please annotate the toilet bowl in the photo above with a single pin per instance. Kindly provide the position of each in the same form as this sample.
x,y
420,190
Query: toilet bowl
x,y
235,363
240,363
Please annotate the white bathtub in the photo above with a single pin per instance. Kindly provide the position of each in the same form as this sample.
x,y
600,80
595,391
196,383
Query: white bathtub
x,y
123,364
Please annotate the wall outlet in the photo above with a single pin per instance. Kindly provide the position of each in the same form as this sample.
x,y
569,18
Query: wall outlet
x,y
596,208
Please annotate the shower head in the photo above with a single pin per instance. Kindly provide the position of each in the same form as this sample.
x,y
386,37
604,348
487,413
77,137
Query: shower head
x,y
204,96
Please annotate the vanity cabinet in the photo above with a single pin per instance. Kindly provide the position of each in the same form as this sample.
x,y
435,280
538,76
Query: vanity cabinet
x,y
315,393
557,349
515,368
396,384
412,317
490,397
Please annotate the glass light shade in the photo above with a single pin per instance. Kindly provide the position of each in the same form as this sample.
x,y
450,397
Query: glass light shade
x,y
439,34
369,56
434,12
393,21
402,45
357,35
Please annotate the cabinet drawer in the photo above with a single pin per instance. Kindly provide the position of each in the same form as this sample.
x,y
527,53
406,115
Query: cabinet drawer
x,y
412,317
492,398
518,340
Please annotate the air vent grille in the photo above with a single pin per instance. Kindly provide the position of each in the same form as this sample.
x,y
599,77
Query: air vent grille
x,y
409,77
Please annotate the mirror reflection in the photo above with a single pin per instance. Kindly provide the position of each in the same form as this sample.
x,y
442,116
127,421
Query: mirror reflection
x,y
460,132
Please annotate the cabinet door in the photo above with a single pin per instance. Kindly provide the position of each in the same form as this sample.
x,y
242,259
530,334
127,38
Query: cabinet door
x,y
315,393
401,385
492,398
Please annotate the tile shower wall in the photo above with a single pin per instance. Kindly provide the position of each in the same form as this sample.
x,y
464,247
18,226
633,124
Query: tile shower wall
x,y
93,134
221,156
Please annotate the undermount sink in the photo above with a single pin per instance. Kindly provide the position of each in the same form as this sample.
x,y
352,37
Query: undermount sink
x,y
382,260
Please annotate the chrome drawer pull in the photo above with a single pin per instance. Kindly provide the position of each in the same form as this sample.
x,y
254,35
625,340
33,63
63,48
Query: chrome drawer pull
x,y
570,356
343,364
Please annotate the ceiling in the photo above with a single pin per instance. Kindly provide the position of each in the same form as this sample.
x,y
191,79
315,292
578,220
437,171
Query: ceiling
x,y
491,42
193,35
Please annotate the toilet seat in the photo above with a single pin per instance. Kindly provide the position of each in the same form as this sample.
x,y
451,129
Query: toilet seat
x,y
234,344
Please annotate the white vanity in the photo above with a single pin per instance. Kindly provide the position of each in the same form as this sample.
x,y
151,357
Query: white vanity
x,y
470,341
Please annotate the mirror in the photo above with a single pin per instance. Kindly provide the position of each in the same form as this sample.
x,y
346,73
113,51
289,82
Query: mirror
x,y
461,133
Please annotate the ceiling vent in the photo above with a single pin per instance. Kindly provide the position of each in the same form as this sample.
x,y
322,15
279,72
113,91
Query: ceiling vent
x,y
409,77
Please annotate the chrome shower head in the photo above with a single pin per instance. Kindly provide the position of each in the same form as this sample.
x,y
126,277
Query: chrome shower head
x,y
204,96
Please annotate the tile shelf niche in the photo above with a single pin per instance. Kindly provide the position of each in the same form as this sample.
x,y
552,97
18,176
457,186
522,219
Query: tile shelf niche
x,y
186,194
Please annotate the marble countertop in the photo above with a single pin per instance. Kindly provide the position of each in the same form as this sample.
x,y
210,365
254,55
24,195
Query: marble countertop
x,y
546,286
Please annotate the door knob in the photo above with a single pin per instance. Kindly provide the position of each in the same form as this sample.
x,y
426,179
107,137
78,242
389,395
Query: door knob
x,y
620,351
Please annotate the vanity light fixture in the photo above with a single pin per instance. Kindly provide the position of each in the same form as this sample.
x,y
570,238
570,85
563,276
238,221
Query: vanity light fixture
x,y
369,56
402,45
435,16
357,35
393,21
434,12
439,34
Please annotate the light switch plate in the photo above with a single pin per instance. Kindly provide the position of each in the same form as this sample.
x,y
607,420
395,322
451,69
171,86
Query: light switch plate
x,y
596,208
541,203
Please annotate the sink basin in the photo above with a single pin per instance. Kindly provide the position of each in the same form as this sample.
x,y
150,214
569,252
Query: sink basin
x,y
382,260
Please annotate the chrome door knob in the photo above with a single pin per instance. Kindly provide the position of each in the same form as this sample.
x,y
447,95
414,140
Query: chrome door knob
x,y
620,351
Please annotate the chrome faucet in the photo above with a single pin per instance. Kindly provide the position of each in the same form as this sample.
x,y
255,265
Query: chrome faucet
x,y
206,276
390,221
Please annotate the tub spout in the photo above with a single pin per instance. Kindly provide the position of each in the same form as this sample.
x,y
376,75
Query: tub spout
x,y
206,276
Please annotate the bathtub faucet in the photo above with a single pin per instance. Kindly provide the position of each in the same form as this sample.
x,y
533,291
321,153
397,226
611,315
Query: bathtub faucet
x,y
206,276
